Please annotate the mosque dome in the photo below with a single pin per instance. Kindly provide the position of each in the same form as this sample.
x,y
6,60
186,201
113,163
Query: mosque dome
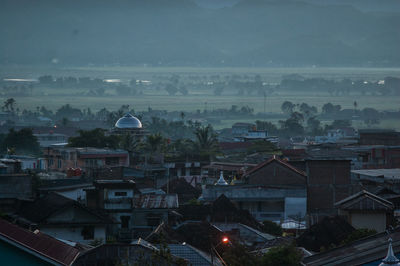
x,y
128,121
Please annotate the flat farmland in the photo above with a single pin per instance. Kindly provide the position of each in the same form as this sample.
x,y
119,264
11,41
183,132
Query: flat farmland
x,y
203,101
199,97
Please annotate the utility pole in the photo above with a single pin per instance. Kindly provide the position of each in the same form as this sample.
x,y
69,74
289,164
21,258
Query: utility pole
x,y
265,100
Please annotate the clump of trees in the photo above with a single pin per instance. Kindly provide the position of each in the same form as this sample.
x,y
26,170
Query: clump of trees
x,y
203,144
287,255
271,228
19,142
358,234
94,138
345,87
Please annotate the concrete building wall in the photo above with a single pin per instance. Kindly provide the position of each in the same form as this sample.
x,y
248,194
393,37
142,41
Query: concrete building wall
x,y
29,163
74,233
73,215
141,217
329,181
375,221
276,174
74,194
15,186
118,193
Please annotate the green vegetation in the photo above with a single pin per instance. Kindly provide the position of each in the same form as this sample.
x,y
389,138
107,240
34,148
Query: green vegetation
x,y
358,234
271,228
287,255
238,255
75,98
19,142
282,255
94,138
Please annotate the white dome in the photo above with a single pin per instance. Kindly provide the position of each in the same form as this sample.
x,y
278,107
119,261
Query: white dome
x,y
128,121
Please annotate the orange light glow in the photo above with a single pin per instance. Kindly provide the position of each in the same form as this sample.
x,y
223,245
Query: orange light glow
x,y
225,239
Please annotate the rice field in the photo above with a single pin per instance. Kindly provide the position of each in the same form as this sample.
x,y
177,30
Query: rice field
x,y
198,99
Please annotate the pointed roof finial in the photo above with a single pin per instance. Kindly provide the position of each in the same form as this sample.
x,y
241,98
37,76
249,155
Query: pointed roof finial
x,y
390,257
221,181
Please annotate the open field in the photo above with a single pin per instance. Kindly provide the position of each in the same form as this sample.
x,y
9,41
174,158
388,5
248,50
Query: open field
x,y
272,74
205,101
198,98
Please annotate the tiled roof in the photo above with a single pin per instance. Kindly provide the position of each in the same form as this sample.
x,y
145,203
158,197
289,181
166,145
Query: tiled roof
x,y
38,244
364,251
41,209
180,186
275,159
192,254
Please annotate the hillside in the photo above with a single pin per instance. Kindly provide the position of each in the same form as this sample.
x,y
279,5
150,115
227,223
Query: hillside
x,y
179,32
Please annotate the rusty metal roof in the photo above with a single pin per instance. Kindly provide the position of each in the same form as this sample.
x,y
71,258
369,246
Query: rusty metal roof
x,y
153,201
38,244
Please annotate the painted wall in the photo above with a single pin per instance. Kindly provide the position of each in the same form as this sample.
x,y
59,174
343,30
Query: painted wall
x,y
276,174
11,255
375,221
74,194
110,193
74,233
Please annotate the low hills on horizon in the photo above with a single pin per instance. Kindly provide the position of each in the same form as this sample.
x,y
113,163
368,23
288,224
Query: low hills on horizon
x,y
180,32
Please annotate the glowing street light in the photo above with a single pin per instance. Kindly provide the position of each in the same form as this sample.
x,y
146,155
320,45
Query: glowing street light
x,y
224,240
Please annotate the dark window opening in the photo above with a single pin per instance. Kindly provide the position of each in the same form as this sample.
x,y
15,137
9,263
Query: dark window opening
x,y
120,194
125,221
88,232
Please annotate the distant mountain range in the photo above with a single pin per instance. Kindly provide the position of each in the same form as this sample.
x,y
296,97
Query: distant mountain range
x,y
181,32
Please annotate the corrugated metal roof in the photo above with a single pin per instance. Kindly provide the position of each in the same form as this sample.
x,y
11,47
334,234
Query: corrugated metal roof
x,y
387,173
154,201
40,244
193,255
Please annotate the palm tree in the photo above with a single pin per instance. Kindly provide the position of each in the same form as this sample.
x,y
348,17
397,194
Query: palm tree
x,y
131,144
206,141
154,143
9,105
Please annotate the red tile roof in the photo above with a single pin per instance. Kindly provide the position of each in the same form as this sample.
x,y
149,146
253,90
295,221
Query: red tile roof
x,y
275,159
40,244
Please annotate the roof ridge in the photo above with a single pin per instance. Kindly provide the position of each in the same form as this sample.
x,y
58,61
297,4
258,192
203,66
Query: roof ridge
x,y
274,158
368,194
40,234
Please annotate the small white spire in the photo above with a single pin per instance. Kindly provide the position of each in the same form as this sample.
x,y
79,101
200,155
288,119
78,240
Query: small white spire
x,y
390,257
221,181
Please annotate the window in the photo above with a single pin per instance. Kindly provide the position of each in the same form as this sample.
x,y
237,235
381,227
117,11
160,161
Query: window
x,y
125,221
120,193
88,232
112,161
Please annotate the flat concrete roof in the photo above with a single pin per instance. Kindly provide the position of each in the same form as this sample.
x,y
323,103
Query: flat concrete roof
x,y
386,173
